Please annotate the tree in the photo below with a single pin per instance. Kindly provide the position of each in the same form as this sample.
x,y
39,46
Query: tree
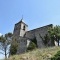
x,y
5,43
54,33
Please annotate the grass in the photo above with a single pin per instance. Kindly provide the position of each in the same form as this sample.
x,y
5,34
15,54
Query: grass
x,y
37,54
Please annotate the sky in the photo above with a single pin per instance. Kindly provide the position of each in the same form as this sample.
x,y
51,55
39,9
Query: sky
x,y
36,13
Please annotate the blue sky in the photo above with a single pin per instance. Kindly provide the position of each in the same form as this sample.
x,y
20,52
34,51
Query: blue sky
x,y
36,13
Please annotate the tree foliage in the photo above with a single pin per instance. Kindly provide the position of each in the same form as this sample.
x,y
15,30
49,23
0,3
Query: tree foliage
x,y
54,33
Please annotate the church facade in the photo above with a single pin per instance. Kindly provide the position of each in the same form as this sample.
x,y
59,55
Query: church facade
x,y
24,37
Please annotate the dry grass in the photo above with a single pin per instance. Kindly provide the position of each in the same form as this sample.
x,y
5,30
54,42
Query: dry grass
x,y
38,54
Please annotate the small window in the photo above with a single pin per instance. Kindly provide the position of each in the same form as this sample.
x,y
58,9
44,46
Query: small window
x,y
23,27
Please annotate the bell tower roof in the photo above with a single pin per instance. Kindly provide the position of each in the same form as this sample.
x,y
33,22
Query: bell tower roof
x,y
22,21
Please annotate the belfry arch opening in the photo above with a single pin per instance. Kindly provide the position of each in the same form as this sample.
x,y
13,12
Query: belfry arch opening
x,y
24,27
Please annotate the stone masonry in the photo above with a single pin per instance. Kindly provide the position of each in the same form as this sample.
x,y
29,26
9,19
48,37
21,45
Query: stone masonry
x,y
24,37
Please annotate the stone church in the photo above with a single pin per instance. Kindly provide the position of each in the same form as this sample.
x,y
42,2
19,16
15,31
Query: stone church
x,y
24,37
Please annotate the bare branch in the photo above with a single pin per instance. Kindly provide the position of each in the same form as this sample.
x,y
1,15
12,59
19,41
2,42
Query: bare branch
x,y
2,53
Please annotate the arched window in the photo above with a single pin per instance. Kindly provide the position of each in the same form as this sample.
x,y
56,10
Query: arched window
x,y
24,27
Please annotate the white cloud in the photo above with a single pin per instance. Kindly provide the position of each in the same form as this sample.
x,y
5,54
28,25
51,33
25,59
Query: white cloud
x,y
0,34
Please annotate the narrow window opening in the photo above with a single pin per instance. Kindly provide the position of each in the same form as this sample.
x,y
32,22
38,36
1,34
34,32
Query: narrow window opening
x,y
23,27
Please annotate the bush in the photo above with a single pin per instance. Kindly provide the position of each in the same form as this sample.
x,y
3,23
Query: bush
x,y
56,56
31,46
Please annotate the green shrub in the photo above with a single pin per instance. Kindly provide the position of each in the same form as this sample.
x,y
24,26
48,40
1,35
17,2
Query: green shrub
x,y
56,56
31,46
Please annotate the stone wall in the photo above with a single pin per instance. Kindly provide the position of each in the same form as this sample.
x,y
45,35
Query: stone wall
x,y
38,33
22,45
17,28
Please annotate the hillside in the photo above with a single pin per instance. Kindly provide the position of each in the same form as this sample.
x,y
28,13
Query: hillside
x,y
38,54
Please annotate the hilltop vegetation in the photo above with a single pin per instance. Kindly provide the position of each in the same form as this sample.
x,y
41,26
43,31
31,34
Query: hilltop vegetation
x,y
37,54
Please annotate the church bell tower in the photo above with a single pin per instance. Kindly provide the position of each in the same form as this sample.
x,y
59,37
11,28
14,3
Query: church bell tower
x,y
20,29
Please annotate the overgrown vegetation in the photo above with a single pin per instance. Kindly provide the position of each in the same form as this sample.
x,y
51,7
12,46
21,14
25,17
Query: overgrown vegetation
x,y
54,34
56,56
37,54
32,45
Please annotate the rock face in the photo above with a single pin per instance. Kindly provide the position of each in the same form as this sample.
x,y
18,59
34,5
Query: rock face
x,y
24,36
